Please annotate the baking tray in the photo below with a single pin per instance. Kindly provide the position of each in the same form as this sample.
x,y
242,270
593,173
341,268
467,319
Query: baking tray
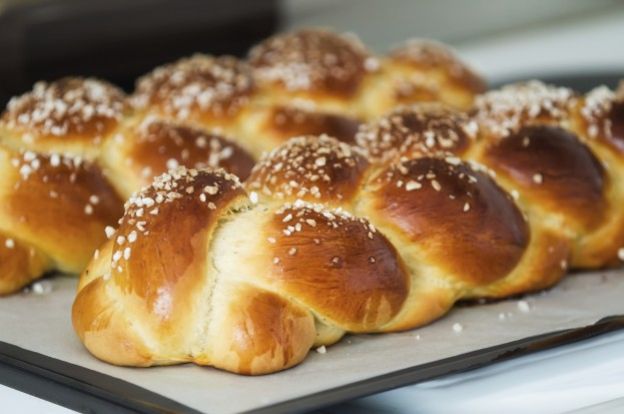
x,y
40,355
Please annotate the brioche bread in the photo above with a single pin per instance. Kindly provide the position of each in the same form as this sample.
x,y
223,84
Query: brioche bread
x,y
201,111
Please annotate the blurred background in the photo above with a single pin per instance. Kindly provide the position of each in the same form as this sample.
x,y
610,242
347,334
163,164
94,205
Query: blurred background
x,y
119,40
503,39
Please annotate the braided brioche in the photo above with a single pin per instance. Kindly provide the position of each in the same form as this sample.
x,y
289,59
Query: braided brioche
x,y
306,82
543,141
201,111
324,238
539,142
55,205
249,281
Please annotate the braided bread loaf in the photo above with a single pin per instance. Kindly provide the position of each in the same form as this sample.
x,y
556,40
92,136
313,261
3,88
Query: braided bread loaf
x,y
54,205
325,238
71,150
534,138
559,151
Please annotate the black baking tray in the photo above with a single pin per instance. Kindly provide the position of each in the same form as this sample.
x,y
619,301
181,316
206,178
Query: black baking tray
x,y
85,390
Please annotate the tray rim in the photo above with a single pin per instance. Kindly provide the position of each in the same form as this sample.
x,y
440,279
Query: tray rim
x,y
83,389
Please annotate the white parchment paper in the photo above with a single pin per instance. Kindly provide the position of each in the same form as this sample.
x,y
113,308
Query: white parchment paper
x,y
41,323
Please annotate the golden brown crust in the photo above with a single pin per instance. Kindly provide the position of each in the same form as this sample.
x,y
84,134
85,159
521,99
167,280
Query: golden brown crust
x,y
544,263
288,121
555,170
549,146
427,54
302,274
359,282
310,168
232,308
264,333
58,204
158,265
598,120
457,216
153,147
69,111
200,88
180,227
106,330
421,71
603,113
154,267
159,142
616,122
504,111
417,130
311,60
55,199
21,264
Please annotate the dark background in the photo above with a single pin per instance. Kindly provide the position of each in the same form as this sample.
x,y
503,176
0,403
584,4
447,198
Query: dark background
x,y
120,39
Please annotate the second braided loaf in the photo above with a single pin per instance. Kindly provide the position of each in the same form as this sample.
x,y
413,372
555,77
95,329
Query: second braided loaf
x,y
202,111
